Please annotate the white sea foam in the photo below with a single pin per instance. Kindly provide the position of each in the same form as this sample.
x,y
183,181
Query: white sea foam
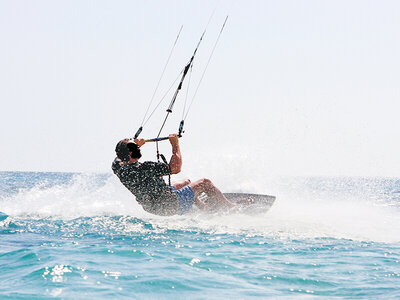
x,y
335,208
83,196
302,210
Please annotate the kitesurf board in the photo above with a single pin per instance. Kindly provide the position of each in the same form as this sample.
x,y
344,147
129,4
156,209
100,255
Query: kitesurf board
x,y
251,202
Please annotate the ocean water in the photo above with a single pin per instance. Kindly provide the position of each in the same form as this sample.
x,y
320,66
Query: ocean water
x,y
82,236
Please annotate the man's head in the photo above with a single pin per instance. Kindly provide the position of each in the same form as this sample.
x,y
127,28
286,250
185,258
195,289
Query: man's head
x,y
126,149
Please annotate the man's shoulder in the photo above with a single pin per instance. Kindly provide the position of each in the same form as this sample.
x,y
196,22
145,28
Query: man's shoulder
x,y
154,165
149,163
120,168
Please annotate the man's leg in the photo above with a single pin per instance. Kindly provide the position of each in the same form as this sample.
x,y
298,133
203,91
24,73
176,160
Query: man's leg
x,y
206,186
180,184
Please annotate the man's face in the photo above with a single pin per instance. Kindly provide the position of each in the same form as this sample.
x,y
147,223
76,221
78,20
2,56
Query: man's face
x,y
134,150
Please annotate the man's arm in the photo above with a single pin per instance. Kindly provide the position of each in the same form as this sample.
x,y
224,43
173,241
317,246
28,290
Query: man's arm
x,y
176,159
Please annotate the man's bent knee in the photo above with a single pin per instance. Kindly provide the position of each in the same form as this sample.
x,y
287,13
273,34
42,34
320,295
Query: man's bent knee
x,y
201,185
206,181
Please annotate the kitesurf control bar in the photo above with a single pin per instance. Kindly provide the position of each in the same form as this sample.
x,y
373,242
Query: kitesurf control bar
x,y
158,139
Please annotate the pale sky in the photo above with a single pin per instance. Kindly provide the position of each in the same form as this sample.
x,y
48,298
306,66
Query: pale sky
x,y
294,87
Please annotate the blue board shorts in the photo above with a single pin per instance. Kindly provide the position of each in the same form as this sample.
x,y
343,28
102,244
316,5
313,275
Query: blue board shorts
x,y
186,198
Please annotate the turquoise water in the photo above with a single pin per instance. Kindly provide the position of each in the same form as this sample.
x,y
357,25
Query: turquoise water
x,y
82,236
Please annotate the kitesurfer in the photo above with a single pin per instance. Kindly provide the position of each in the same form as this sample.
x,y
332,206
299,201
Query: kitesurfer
x,y
145,181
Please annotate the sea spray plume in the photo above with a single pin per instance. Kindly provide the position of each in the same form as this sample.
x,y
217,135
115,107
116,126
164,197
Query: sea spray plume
x,y
83,195
307,208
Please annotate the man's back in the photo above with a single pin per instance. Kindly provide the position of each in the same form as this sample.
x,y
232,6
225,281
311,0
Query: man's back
x,y
144,180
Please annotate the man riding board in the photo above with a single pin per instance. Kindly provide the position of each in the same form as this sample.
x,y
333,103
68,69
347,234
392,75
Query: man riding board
x,y
144,180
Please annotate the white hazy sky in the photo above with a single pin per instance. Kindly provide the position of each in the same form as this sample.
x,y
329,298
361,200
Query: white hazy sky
x,y
294,87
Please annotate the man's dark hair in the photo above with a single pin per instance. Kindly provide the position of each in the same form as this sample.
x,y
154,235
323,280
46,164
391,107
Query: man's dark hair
x,y
126,149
